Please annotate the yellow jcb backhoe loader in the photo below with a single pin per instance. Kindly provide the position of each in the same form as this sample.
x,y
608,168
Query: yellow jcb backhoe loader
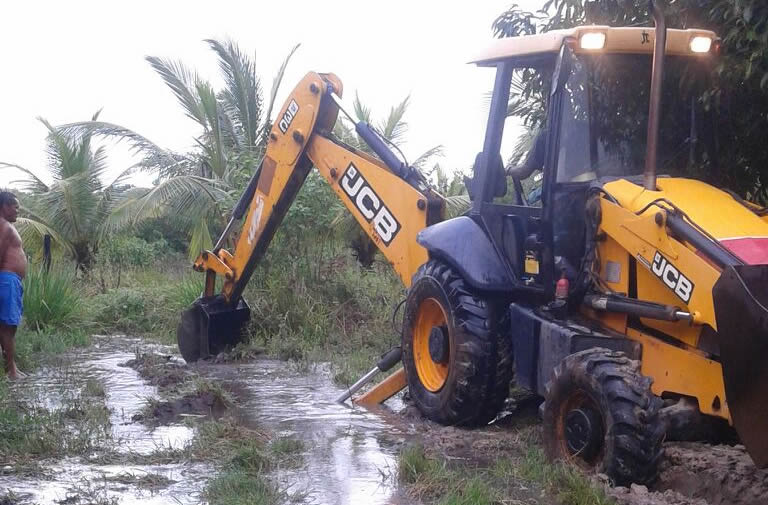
x,y
615,294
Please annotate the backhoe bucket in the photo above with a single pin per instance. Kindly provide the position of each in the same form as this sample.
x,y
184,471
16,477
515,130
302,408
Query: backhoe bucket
x,y
209,326
741,309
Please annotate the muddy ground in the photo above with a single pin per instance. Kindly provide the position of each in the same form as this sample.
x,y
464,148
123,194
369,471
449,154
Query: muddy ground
x,y
692,473
342,455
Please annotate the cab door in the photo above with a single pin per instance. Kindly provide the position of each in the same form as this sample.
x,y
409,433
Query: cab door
x,y
508,188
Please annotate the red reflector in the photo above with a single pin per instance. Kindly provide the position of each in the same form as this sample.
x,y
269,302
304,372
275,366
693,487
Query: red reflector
x,y
751,250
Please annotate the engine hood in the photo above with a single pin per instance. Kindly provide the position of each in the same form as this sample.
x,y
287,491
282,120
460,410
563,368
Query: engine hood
x,y
735,226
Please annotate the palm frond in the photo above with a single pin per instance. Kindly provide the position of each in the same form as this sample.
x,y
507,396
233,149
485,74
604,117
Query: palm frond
x,y
362,113
59,150
523,145
182,193
243,94
273,93
214,145
32,183
456,205
123,213
33,229
182,82
137,142
426,156
199,240
70,205
346,134
394,128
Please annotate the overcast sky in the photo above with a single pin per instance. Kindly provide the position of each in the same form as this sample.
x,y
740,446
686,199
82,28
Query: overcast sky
x,y
65,60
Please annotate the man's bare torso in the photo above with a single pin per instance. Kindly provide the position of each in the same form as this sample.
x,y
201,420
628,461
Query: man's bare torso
x,y
14,260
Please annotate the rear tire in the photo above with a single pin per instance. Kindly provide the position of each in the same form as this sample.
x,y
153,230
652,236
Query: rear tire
x,y
466,380
600,413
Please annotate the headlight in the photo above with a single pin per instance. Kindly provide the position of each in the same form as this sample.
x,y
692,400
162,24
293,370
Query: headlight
x,y
593,40
701,44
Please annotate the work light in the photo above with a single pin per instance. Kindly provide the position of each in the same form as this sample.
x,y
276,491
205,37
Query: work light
x,y
593,40
701,44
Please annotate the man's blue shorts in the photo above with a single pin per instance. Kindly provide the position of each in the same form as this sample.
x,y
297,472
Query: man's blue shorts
x,y
11,294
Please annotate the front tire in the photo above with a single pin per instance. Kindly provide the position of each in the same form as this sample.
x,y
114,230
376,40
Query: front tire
x,y
600,413
456,354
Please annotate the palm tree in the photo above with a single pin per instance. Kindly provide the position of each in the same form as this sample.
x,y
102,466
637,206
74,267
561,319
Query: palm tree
x,y
199,188
77,209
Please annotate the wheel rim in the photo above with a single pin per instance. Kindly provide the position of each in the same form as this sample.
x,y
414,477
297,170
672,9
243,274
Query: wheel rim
x,y
431,373
580,429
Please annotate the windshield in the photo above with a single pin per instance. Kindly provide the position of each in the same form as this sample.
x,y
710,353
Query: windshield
x,y
605,117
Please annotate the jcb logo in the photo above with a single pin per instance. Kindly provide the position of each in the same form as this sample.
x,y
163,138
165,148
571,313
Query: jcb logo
x,y
290,113
672,277
369,204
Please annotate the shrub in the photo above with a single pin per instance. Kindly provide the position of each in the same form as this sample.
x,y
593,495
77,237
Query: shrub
x,y
182,293
130,251
123,310
51,299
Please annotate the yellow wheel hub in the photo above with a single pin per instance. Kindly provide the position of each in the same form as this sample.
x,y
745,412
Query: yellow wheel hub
x,y
431,374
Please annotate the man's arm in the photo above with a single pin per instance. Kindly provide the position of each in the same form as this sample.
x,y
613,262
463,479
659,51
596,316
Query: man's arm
x,y
5,238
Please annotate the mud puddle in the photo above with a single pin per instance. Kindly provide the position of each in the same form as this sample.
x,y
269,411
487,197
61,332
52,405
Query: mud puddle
x,y
86,478
347,455
350,453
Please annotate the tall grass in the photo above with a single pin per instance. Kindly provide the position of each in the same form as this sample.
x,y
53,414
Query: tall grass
x,y
51,299
186,290
336,312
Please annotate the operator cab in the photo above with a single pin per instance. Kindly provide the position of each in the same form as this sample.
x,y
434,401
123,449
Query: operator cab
x,y
569,111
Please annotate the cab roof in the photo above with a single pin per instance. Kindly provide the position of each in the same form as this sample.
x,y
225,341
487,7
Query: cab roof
x,y
617,40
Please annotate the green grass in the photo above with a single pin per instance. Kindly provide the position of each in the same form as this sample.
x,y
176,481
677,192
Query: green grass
x,y
31,432
204,386
34,346
54,315
566,482
51,299
240,487
414,465
242,480
286,446
338,312
327,309
432,480
186,290
475,491
246,458
435,481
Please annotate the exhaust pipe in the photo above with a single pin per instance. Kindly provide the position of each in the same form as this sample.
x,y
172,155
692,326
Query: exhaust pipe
x,y
654,113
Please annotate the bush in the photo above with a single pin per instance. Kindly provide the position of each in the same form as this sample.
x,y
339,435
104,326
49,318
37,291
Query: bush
x,y
131,251
334,311
124,309
51,299
186,290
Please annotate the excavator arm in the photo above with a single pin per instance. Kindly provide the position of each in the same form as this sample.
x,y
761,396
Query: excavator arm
x,y
389,200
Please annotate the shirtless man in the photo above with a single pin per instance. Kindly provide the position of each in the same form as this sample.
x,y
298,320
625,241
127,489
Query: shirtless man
x,y
13,267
